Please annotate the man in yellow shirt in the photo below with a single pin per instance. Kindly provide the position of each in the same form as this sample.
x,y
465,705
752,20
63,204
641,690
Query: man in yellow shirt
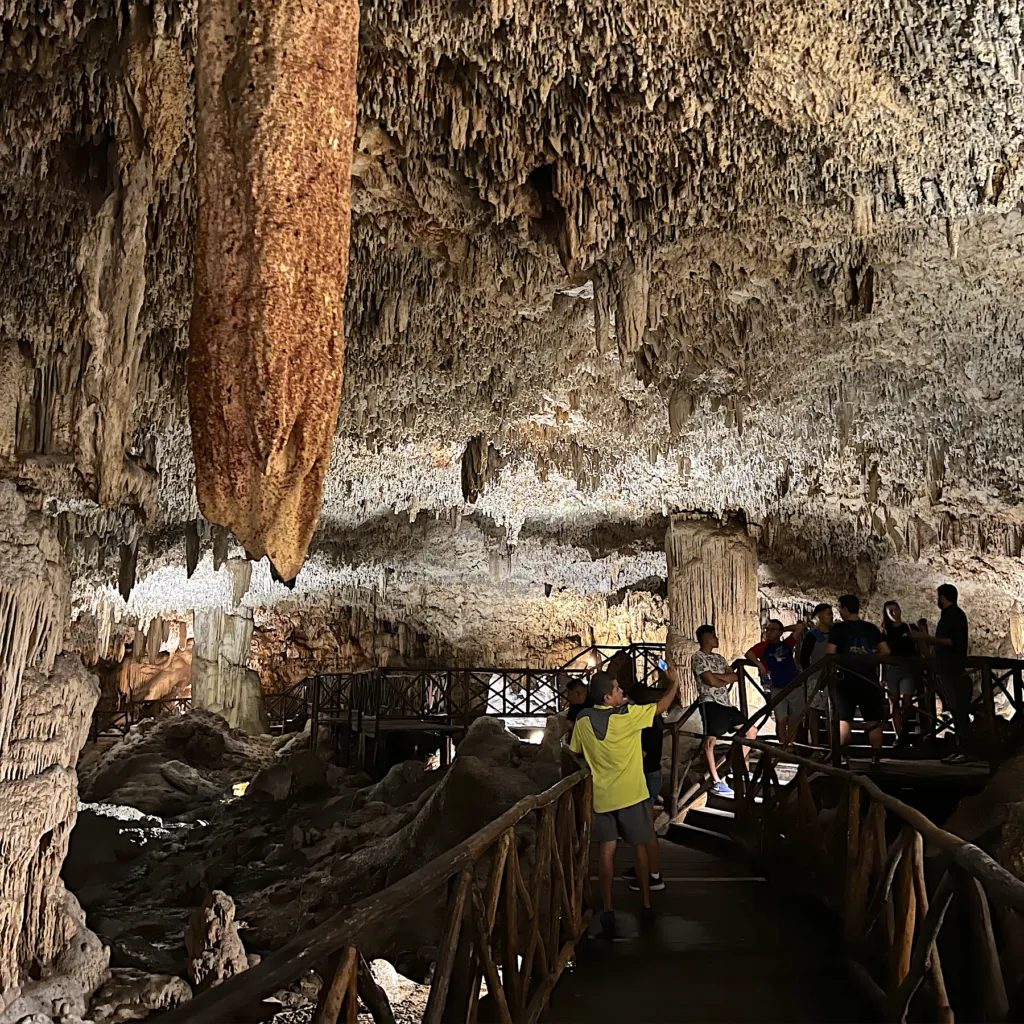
x,y
608,736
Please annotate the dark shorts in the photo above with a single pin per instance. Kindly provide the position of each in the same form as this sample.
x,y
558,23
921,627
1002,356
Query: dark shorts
x,y
853,692
631,823
654,783
718,719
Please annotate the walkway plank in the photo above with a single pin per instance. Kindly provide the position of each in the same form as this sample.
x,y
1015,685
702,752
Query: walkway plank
x,y
727,946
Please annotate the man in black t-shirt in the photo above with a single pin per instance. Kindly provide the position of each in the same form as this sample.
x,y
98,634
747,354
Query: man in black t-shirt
x,y
855,640
950,643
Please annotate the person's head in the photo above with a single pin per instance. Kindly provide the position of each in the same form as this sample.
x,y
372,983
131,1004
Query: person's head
x,y
947,595
849,607
707,638
772,632
892,614
823,616
576,690
605,690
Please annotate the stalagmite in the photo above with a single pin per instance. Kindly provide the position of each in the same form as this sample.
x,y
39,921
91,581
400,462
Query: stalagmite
x,y
46,702
275,126
712,578
222,682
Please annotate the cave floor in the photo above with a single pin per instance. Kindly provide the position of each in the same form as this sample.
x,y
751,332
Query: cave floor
x,y
727,946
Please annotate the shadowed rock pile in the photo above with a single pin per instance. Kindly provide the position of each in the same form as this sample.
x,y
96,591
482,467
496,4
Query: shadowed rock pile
x,y
287,854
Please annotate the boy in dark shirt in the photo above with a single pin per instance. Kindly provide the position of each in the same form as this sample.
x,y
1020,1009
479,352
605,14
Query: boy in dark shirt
x,y
855,640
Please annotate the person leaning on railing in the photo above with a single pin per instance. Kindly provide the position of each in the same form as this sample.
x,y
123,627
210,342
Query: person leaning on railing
x,y
718,715
855,641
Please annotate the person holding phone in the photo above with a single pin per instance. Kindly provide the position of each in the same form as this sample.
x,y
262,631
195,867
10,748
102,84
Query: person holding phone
x,y
608,737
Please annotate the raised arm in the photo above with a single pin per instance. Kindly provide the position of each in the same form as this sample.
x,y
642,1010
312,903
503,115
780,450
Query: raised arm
x,y
670,694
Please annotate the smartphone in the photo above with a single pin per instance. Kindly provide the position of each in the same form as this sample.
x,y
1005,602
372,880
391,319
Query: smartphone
x,y
662,664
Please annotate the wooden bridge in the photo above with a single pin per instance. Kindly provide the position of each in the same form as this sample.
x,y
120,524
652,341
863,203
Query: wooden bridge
x,y
922,920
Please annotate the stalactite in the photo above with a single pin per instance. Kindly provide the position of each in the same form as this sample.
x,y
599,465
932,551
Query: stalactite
x,y
222,682
274,163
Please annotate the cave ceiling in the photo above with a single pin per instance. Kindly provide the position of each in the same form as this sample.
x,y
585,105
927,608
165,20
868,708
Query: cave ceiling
x,y
735,258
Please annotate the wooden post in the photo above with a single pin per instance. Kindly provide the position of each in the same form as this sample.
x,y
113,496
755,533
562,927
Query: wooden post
x,y
837,748
673,796
993,1002
375,998
446,955
510,947
933,966
989,703
852,848
856,925
742,684
906,919
314,718
483,948
343,986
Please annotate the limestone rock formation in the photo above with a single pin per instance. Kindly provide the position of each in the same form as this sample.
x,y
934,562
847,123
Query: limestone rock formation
x,y
712,578
276,116
64,986
130,994
292,863
222,682
214,948
46,703
170,765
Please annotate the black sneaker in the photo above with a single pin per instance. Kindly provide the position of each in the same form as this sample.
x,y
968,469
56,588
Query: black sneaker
x,y
629,873
657,883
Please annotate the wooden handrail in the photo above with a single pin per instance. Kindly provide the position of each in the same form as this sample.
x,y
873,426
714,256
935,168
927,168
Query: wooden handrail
x,y
227,1001
974,860
868,864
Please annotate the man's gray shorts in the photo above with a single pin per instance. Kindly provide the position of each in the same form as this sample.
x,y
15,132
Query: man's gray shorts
x,y
631,823
791,707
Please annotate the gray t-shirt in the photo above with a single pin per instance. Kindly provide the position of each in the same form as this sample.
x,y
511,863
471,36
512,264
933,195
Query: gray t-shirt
x,y
701,663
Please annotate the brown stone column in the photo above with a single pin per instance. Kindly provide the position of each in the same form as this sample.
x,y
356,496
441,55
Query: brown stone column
x,y
276,113
712,577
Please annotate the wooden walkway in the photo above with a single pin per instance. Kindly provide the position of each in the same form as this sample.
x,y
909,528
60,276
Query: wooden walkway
x,y
727,946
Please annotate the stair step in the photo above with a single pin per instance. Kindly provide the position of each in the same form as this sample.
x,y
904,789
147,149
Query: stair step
x,y
697,838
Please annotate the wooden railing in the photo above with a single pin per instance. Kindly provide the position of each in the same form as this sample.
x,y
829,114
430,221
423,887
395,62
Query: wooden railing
x,y
868,864
117,719
645,657
517,929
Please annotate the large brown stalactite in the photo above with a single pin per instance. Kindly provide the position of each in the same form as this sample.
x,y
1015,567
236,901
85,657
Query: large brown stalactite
x,y
276,112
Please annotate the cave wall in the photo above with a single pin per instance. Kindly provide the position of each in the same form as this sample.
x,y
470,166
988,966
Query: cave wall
x,y
46,703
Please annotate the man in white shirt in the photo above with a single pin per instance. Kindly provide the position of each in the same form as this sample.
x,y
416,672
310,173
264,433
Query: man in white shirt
x,y
718,714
